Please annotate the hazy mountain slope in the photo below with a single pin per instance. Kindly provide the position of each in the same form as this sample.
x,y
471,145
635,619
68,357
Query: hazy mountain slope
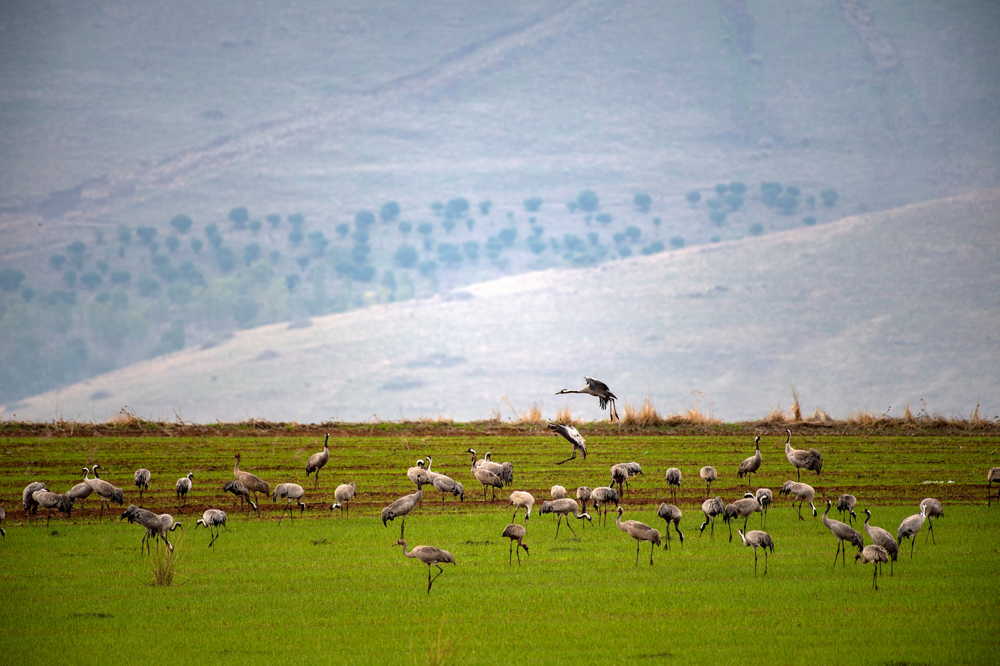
x,y
873,311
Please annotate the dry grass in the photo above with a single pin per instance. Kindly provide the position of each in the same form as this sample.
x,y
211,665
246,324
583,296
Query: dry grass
x,y
565,415
819,416
163,567
796,407
645,415
776,415
692,416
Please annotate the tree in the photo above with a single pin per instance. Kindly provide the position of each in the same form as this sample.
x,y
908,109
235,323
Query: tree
x,y
829,197
449,254
425,228
360,252
254,226
587,201
296,221
406,256
485,207
76,251
11,279
642,202
533,204
405,227
603,218
428,268
363,219
239,216
148,287
318,243
57,261
292,281
172,243
718,217
295,237
69,279
196,245
124,235
146,235
677,242
693,197
343,229
251,253
809,221
274,220
653,248
91,280
120,277
456,208
245,311
769,193
756,229
633,233
182,223
507,236
225,259
389,211
471,248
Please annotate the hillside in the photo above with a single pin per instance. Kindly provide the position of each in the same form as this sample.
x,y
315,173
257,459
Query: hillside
x,y
177,173
873,312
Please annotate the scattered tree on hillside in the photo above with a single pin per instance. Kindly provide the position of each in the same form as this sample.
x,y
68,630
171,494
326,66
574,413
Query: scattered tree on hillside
x,y
642,202
181,223
587,201
11,279
389,211
239,216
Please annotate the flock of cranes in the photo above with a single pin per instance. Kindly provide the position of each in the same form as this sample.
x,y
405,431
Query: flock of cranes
x,y
496,476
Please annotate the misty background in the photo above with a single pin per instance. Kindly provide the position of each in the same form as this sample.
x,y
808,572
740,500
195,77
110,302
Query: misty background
x,y
349,211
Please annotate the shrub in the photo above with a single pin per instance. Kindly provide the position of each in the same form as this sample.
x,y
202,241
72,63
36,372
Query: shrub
x,y
245,311
756,229
254,226
829,197
292,281
734,201
470,224
179,294
425,228
633,233
196,245
485,207
603,218
76,251
471,250
405,227
57,261
405,256
225,259
642,202
693,197
389,211
124,235
173,243
587,201
448,225
737,188
769,193
317,242
677,242
360,252
809,221
624,251
533,204
69,279
182,223
296,221
449,254
295,237
274,220
27,294
718,217
653,248
537,245
427,268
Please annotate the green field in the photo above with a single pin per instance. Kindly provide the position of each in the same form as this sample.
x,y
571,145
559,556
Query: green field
x,y
327,588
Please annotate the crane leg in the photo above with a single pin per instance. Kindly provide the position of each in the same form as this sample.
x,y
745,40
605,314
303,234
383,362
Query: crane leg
x,y
636,552
509,554
755,561
837,554
650,553
402,527
567,459
570,526
930,529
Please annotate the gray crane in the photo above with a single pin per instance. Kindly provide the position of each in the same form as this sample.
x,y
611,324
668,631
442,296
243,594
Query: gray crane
x,y
620,476
142,477
750,465
401,508
515,532
640,532
106,491
428,555
708,475
881,537
564,508
80,491
418,474
802,458
583,496
711,507
156,526
28,499
757,539
845,505
237,488
3,517
765,498
743,508
251,482
673,477
802,492
876,555
317,461
931,508
670,514
487,478
908,529
505,471
213,519
344,495
600,390
557,492
48,500
522,499
183,487
992,476
289,492
601,497
444,483
843,532
571,435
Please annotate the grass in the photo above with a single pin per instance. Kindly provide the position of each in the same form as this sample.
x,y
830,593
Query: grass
x,y
324,586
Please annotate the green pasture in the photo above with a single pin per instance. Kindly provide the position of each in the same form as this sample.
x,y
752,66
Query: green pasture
x,y
325,588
